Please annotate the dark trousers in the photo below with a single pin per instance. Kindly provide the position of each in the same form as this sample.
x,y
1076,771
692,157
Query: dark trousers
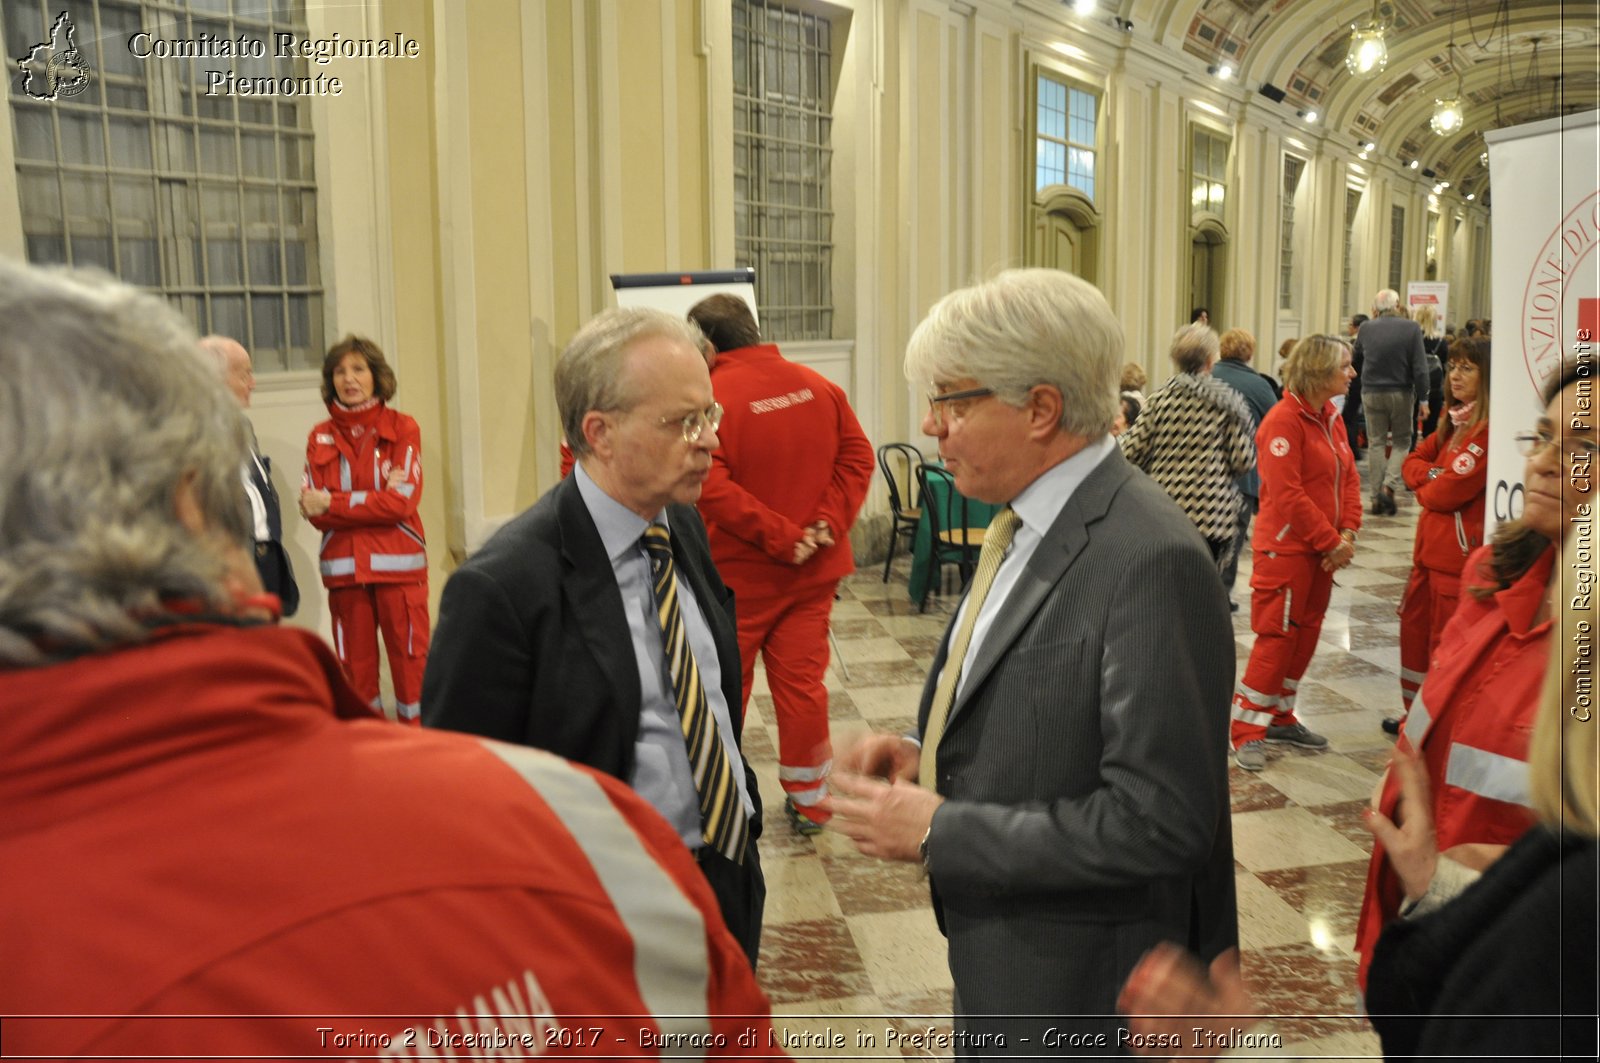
x,y
741,893
1241,540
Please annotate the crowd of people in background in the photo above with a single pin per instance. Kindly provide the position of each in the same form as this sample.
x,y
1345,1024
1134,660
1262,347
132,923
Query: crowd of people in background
x,y
590,845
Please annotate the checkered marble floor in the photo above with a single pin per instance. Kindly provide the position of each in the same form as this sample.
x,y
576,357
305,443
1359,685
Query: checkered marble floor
x,y
850,949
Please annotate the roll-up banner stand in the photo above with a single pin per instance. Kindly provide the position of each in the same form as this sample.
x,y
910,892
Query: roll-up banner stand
x,y
1546,277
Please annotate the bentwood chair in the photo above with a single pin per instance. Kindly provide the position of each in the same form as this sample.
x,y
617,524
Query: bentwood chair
x,y
899,463
952,538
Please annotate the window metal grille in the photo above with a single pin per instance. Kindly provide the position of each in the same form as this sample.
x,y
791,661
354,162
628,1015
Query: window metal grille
x,y
1208,170
1292,169
1352,203
1397,245
782,165
1064,136
208,200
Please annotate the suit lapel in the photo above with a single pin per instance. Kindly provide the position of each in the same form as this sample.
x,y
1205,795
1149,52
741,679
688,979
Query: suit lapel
x,y
1056,553
589,586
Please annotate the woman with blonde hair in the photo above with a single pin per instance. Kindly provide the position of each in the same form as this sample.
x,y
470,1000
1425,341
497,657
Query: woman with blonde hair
x,y
1306,531
1449,473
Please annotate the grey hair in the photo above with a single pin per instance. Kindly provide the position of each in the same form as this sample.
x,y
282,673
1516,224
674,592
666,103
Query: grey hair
x,y
1023,328
589,372
107,408
216,347
1194,347
1385,301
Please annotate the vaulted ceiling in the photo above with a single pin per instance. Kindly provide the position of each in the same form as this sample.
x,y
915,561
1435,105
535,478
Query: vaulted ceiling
x,y
1515,61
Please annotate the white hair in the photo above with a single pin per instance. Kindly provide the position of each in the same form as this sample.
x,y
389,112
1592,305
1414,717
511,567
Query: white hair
x,y
589,374
1386,301
1023,328
107,410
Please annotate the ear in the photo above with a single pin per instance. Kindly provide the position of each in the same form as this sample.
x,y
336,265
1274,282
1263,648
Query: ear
x,y
187,506
1044,407
597,432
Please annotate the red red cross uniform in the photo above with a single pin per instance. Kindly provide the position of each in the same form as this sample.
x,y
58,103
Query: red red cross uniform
x,y
1449,480
1310,494
373,559
1472,722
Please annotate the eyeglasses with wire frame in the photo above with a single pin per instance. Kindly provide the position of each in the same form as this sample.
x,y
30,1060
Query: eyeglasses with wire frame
x,y
695,424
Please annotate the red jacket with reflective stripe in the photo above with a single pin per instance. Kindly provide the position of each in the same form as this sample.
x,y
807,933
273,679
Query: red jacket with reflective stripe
x,y
1309,487
211,824
371,533
1472,721
1450,525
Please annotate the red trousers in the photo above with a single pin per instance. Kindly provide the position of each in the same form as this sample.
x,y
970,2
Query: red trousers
x,y
791,634
400,611
1288,599
1425,608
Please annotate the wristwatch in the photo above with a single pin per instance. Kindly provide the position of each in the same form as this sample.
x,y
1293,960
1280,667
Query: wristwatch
x,y
1433,473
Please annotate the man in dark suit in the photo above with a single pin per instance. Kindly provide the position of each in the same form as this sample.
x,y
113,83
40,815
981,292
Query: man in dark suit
x,y
1072,739
594,625
272,561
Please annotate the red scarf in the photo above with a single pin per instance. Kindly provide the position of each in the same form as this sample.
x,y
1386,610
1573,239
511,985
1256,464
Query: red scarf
x,y
355,422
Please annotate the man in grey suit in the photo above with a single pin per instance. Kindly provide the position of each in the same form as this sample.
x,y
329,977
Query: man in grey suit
x,y
1072,739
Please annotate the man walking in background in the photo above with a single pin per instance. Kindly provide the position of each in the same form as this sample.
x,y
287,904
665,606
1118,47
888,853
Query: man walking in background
x,y
782,540
1388,350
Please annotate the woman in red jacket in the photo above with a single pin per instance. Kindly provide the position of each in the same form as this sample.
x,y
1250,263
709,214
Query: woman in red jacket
x,y
363,485
1306,531
1449,473
1472,720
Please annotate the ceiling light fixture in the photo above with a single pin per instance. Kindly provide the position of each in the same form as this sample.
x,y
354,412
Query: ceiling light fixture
x,y
1368,53
1448,117
1415,163
1085,7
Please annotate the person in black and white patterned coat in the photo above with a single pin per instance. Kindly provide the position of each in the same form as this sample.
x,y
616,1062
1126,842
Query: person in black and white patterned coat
x,y
1194,439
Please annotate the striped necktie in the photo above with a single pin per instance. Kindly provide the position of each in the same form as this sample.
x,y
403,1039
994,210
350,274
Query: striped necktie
x,y
723,823
995,543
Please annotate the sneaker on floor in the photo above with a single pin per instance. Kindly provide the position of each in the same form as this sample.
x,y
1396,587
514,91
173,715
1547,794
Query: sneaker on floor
x,y
801,823
1393,724
1252,756
1296,734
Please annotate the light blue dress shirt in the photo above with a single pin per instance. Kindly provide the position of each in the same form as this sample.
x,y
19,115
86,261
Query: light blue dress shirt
x,y
1038,506
661,773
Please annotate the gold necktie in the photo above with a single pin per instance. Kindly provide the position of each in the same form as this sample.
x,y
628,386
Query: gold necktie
x,y
995,541
723,823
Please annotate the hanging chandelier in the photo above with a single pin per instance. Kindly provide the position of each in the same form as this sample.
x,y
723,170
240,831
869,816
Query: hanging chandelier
x,y
1368,53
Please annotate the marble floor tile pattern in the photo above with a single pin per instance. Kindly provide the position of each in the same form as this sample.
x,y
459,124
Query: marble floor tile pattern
x,y
851,957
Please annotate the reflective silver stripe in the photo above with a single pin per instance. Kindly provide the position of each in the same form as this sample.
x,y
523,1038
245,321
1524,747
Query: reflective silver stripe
x,y
376,702
1461,535
397,562
358,498
407,489
1244,715
338,638
344,473
327,537
411,534
408,710
670,959
339,566
813,796
1255,697
817,774
1288,605
1417,722
1492,775
1291,687
1408,676
1283,532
